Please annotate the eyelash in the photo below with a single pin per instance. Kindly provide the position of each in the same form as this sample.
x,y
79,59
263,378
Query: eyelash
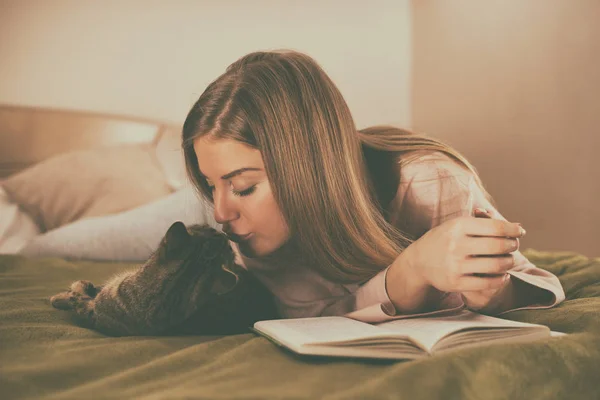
x,y
245,192
241,193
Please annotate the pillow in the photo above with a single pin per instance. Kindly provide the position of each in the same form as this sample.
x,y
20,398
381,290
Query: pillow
x,y
129,236
16,226
87,183
169,154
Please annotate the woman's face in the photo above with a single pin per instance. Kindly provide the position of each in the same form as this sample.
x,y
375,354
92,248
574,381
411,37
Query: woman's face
x,y
243,200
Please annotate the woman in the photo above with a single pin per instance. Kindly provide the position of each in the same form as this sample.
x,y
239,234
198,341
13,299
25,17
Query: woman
x,y
376,224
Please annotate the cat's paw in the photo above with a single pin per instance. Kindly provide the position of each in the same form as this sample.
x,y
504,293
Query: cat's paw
x,y
70,300
64,300
85,288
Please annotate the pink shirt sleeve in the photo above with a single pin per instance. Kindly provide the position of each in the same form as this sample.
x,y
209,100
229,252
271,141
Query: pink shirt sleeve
x,y
432,190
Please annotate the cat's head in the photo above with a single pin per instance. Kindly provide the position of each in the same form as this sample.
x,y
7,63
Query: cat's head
x,y
198,256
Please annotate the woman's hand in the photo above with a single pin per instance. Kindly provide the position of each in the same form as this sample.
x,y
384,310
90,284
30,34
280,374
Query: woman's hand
x,y
478,300
466,255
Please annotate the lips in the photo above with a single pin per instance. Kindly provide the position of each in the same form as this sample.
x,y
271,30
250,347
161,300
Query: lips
x,y
238,238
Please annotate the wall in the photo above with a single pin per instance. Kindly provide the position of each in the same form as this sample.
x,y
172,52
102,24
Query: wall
x,y
511,83
154,58
514,85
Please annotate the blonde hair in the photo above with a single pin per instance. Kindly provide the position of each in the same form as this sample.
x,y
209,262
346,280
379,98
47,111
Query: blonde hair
x,y
319,166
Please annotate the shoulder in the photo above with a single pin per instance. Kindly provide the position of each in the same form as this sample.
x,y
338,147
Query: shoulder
x,y
432,179
423,166
433,188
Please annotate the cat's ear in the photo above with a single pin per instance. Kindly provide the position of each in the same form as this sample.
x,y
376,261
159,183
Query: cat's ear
x,y
176,238
225,281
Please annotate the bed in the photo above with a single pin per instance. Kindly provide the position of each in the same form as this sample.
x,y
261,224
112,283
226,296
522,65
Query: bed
x,y
45,354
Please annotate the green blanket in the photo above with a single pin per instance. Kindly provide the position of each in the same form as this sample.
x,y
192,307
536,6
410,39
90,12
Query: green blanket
x,y
43,354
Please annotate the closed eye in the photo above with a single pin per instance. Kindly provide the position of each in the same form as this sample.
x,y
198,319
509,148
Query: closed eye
x,y
241,193
245,192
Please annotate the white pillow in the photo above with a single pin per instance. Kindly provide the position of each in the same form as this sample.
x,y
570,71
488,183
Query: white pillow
x,y
16,226
128,236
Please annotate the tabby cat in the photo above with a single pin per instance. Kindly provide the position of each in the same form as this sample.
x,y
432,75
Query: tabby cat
x,y
189,285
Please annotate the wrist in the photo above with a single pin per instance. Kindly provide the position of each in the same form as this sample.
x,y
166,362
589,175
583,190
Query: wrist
x,y
502,300
406,288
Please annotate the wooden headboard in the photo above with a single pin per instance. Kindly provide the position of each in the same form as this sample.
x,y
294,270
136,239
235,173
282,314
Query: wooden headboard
x,y
31,134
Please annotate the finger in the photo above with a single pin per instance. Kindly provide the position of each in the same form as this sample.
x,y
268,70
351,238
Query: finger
x,y
485,275
481,213
469,283
488,265
487,246
493,227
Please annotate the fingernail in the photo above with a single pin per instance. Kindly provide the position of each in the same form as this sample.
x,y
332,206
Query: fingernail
x,y
523,231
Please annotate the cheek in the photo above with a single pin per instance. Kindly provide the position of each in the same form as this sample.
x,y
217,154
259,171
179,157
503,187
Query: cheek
x,y
265,216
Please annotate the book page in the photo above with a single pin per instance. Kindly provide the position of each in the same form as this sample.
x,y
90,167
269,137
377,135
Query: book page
x,y
430,330
301,331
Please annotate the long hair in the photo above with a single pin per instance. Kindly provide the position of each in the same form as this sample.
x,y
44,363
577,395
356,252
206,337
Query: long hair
x,y
331,182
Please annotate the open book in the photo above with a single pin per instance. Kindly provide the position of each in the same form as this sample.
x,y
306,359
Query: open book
x,y
398,339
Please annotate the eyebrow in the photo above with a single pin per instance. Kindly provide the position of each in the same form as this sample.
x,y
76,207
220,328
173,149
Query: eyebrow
x,y
236,172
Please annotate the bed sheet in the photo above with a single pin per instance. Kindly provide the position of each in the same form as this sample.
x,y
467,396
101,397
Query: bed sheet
x,y
45,355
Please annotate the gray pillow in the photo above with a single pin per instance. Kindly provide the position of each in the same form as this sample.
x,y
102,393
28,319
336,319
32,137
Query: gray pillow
x,y
128,236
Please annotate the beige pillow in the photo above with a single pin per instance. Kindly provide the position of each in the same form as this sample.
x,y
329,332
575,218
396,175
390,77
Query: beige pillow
x,y
87,183
170,157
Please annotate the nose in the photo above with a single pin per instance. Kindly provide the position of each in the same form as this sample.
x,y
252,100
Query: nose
x,y
223,210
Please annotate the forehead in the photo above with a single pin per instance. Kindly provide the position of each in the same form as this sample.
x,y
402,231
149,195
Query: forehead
x,y
217,157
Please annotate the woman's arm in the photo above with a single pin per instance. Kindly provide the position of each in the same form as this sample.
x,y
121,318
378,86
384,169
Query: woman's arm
x,y
432,192
390,295
407,290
